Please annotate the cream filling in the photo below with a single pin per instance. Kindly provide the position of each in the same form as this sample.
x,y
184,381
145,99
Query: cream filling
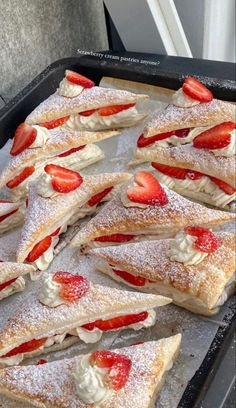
x,y
68,89
183,251
227,151
77,122
42,136
204,187
14,287
87,337
182,100
50,293
90,382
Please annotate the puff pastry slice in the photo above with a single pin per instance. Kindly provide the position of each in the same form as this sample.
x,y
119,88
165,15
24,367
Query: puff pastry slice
x,y
11,277
11,215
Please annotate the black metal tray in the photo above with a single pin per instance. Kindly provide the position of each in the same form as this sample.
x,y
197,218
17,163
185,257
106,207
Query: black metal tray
x,y
167,72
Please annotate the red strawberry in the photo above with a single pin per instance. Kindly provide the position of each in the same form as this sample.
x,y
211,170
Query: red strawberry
x,y
177,172
73,150
74,287
41,361
146,141
115,238
224,186
98,197
24,136
63,180
5,201
54,123
206,240
136,344
55,233
132,279
112,110
119,365
88,112
196,90
26,347
39,249
78,79
21,177
116,322
214,138
147,191
3,217
5,284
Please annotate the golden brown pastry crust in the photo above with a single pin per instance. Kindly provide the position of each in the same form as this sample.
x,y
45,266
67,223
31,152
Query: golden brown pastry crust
x,y
204,282
12,270
52,385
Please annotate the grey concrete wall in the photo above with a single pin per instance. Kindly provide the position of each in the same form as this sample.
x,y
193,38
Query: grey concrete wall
x,y
34,33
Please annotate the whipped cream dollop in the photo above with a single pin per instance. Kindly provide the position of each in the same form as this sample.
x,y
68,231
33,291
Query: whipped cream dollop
x,y
44,186
182,100
14,287
41,138
182,250
94,121
90,382
227,151
68,89
50,293
204,187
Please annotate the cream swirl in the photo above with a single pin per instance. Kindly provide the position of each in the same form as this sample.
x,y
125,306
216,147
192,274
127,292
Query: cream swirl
x,y
88,336
68,89
44,186
41,138
182,100
182,250
50,293
90,382
227,151
77,122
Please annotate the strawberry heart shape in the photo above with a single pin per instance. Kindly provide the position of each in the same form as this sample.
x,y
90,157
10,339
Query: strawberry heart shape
x,y
73,287
147,190
24,137
206,240
118,366
63,180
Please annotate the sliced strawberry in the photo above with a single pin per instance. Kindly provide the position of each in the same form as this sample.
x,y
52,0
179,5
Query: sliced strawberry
x,y
177,172
39,249
98,197
73,150
54,123
119,367
26,347
112,110
88,112
196,90
41,361
147,190
136,344
5,284
55,233
21,177
63,180
24,137
74,287
216,137
115,238
5,201
224,186
116,322
206,240
132,279
78,79
146,141
3,217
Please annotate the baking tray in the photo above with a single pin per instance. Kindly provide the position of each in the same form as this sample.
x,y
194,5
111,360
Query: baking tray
x,y
167,72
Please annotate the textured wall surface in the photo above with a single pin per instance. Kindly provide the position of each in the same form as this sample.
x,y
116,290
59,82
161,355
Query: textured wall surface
x,y
34,33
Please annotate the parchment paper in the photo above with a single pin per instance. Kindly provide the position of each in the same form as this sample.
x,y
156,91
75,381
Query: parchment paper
x,y
198,332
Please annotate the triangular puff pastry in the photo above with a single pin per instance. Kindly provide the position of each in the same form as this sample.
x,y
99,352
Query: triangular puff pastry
x,y
200,160
45,215
151,222
61,325
11,215
201,288
53,385
57,106
57,143
11,277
